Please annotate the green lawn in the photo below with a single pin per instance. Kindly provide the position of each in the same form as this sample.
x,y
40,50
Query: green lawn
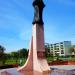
x,y
13,61
67,58
49,59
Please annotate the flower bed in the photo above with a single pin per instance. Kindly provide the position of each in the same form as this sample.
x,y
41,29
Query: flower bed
x,y
62,63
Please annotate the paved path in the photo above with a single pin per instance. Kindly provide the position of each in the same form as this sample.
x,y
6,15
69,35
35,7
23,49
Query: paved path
x,y
56,70
64,67
11,71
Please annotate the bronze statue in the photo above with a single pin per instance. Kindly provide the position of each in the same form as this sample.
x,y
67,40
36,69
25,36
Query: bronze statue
x,y
38,9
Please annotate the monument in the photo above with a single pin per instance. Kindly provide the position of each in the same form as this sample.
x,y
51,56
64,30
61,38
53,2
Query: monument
x,y
36,63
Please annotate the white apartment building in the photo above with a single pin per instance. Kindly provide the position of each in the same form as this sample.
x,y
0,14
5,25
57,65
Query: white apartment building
x,y
61,48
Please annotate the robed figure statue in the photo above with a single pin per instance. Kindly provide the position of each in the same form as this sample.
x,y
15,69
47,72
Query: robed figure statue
x,y
38,9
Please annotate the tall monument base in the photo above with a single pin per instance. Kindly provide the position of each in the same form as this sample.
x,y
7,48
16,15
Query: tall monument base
x,y
36,63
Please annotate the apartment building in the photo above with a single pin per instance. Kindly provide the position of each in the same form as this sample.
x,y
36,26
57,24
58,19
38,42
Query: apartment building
x,y
60,49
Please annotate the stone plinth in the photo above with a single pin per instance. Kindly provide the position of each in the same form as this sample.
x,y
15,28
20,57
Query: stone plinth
x,y
36,63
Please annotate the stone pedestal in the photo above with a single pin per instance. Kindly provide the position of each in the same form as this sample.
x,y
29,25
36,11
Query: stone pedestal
x,y
36,63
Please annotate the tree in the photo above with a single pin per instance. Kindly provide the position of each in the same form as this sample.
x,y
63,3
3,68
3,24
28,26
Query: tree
x,y
23,53
8,55
2,49
2,54
47,50
15,56
72,49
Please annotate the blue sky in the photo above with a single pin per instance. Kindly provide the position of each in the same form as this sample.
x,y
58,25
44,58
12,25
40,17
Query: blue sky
x,y
16,18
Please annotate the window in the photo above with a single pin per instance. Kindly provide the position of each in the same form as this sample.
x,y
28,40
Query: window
x,y
61,42
62,51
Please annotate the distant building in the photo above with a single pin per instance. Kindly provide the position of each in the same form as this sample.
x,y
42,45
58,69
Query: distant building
x,y
60,49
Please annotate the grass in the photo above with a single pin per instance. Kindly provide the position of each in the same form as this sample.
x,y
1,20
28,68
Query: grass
x,y
49,59
13,61
67,58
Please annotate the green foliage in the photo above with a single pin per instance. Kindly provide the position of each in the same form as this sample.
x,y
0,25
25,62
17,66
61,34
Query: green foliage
x,y
72,49
1,51
47,51
2,55
23,53
11,61
15,56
